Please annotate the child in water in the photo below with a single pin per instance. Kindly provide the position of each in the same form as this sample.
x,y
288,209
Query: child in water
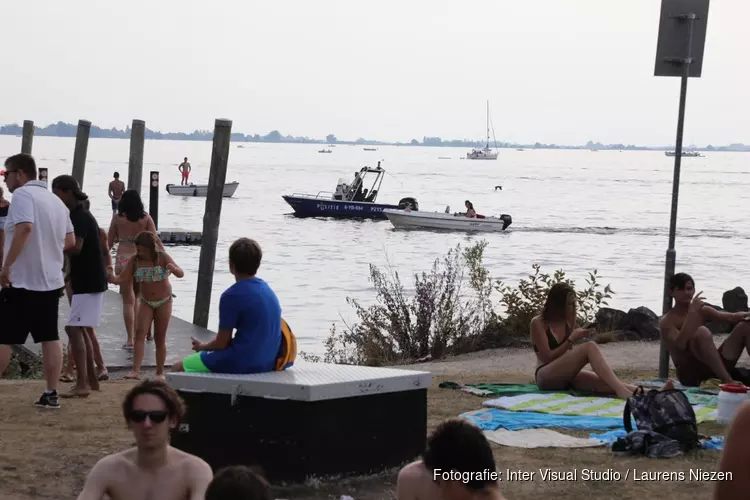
x,y
150,268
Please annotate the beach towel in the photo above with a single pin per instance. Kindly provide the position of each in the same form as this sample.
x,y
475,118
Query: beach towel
x,y
501,389
609,437
492,419
565,404
539,438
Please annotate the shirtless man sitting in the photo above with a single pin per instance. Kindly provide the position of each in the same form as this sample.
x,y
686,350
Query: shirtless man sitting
x,y
153,469
458,446
691,344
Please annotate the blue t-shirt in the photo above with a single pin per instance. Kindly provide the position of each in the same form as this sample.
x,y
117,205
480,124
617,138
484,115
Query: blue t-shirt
x,y
252,309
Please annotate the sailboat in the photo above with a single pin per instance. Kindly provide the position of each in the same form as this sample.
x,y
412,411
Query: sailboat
x,y
485,153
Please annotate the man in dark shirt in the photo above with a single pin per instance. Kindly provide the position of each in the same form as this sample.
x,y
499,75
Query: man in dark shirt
x,y
88,280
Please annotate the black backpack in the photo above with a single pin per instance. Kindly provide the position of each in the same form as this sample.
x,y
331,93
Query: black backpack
x,y
668,413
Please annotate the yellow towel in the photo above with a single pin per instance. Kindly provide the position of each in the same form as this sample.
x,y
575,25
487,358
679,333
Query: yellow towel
x,y
712,383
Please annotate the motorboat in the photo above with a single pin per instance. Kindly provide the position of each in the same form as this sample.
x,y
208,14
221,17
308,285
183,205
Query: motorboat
x,y
351,200
325,151
200,189
408,219
686,154
486,153
370,149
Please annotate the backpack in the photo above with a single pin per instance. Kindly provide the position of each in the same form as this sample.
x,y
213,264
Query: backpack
x,y
288,349
666,412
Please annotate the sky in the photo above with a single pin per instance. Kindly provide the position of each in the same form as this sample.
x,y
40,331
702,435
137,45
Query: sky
x,y
553,71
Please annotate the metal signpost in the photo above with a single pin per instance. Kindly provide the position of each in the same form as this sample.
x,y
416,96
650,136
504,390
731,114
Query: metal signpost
x,y
679,52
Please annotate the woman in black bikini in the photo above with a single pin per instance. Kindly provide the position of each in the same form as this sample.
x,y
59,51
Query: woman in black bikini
x,y
559,363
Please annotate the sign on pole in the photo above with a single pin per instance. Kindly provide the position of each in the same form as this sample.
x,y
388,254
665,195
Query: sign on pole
x,y
679,38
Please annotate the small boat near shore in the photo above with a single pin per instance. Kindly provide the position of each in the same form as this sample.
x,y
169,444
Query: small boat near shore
x,y
686,154
406,219
200,189
351,200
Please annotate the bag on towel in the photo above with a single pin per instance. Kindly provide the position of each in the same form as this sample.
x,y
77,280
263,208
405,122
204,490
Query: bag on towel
x,y
665,412
288,349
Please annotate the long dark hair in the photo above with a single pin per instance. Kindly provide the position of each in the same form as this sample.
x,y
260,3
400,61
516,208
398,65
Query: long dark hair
x,y
131,206
469,205
556,305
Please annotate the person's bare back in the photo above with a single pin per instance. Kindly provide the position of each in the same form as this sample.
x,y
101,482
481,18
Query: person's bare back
x,y
182,477
116,188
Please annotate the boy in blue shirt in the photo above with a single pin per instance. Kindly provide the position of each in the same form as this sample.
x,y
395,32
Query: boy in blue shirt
x,y
248,307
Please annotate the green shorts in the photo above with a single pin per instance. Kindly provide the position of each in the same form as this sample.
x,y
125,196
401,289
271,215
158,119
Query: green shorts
x,y
194,364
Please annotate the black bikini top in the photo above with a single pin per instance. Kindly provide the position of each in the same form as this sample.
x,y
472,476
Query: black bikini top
x,y
552,340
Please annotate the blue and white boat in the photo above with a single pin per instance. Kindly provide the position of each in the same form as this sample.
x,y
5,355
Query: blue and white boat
x,y
351,200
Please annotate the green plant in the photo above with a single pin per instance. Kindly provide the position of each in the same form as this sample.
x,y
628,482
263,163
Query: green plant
x,y
525,300
435,320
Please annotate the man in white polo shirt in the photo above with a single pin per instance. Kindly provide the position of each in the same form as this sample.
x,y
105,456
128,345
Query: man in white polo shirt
x,y
37,231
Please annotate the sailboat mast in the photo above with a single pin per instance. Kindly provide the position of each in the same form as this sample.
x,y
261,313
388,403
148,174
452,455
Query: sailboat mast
x,y
488,125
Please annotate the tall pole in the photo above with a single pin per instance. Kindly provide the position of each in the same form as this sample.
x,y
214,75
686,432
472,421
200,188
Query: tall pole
x,y
79,153
135,162
211,217
671,252
28,137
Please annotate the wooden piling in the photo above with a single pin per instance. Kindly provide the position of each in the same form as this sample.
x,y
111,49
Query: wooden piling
x,y
79,154
28,137
153,197
135,164
216,179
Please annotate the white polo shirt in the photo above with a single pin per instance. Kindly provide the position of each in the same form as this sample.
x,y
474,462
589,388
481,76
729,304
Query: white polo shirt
x,y
39,267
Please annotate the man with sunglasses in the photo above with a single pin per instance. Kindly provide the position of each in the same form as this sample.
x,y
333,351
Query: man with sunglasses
x,y
153,469
37,231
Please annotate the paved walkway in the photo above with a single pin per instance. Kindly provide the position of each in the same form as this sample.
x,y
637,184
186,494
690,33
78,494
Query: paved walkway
x,y
111,335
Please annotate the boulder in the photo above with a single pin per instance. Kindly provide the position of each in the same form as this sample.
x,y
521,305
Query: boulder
x,y
609,320
734,300
643,321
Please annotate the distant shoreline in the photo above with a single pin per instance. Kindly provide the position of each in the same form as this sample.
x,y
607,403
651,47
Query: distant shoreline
x,y
61,129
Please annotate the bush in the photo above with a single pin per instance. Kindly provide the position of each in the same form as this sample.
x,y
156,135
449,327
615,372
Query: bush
x,y
442,317
526,300
17,369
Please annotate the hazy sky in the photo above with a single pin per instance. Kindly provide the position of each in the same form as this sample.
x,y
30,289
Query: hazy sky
x,y
553,70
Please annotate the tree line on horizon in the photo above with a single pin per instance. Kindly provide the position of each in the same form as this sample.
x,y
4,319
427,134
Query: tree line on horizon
x,y
62,129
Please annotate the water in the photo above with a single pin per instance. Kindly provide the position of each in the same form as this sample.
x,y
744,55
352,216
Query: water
x,y
575,210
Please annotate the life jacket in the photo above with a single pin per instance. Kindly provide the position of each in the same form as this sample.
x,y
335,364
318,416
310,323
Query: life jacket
x,y
288,349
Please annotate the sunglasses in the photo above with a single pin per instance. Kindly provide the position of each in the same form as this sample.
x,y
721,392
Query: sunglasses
x,y
157,417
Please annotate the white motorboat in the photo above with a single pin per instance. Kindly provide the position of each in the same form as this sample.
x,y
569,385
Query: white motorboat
x,y
407,219
686,154
200,189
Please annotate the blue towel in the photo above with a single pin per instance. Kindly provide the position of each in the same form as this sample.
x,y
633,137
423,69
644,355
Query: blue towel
x,y
712,443
492,419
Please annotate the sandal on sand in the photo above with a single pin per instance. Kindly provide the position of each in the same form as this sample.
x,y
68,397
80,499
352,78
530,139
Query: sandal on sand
x,y
67,378
127,346
72,393
132,376
104,376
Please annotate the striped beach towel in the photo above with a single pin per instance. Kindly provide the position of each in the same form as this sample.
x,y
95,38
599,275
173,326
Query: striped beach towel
x,y
565,404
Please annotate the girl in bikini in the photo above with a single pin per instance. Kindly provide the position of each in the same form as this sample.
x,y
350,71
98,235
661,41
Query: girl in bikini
x,y
150,267
130,220
559,363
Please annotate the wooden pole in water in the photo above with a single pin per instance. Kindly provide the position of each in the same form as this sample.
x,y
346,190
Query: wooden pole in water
x,y
216,179
28,136
79,154
153,197
135,163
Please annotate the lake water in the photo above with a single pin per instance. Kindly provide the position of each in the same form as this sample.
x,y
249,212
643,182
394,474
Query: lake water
x,y
575,210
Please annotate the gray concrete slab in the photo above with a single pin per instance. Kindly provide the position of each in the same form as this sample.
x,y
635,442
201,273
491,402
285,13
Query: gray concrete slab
x,y
111,336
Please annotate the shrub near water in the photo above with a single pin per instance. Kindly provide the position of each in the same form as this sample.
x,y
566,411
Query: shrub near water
x,y
443,316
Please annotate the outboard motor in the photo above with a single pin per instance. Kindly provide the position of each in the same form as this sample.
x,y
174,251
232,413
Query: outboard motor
x,y
409,202
507,221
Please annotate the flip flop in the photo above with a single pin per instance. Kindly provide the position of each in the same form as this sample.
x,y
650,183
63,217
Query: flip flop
x,y
67,379
128,347
103,377
73,394
131,376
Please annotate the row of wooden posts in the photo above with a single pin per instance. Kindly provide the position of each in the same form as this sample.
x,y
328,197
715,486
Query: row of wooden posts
x,y
211,217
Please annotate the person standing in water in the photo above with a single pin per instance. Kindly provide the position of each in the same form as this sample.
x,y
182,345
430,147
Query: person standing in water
x,y
116,188
184,169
